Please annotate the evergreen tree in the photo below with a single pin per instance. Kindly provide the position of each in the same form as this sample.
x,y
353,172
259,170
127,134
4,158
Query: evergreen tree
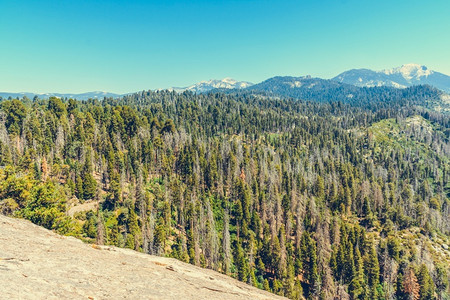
x,y
241,263
309,262
411,287
426,283
373,271
356,287
441,280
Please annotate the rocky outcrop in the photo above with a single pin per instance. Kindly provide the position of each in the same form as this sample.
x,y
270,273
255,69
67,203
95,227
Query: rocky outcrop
x,y
36,263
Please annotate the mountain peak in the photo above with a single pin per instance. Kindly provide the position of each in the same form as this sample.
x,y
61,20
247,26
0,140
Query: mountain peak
x,y
412,66
400,77
229,79
409,71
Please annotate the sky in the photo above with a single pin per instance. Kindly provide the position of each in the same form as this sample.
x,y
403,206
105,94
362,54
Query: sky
x,y
125,46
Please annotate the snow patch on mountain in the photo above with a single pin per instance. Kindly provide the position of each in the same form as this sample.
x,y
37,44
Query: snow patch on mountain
x,y
400,77
205,86
445,98
409,71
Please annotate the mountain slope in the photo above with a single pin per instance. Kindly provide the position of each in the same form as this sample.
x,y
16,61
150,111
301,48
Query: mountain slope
x,y
322,90
36,263
289,85
281,193
401,77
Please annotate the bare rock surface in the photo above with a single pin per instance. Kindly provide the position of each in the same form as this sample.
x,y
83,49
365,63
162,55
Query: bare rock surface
x,y
36,263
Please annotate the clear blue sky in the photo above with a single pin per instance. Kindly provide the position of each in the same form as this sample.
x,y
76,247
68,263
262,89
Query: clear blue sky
x,y
126,46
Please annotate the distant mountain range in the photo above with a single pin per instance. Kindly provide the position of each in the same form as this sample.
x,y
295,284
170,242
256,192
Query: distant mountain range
x,y
82,96
201,87
299,87
205,86
401,77
326,90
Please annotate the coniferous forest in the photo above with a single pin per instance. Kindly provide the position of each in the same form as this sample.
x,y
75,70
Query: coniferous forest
x,y
306,199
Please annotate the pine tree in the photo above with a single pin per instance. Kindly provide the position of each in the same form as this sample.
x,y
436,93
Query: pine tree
x,y
79,187
441,279
241,263
134,230
399,289
266,285
160,235
373,271
89,182
309,262
426,283
411,287
356,286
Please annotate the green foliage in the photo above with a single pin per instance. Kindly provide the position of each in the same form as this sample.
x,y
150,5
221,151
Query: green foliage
x,y
89,184
46,207
300,198
309,262
90,226
356,287
373,270
441,279
241,264
426,283
393,245
15,114
56,106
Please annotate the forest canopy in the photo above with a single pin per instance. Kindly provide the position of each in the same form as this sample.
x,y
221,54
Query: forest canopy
x,y
306,199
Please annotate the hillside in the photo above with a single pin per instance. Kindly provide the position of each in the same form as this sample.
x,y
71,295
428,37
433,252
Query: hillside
x,y
306,199
36,263
321,90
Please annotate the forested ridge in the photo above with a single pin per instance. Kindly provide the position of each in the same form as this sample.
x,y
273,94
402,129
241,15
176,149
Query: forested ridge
x,y
322,90
305,199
